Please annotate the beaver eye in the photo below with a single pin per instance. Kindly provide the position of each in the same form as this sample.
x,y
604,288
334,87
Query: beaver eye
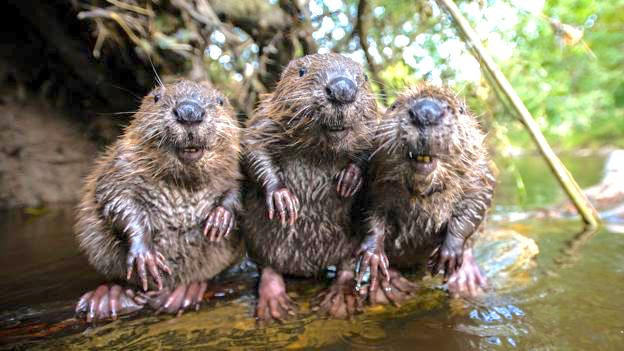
x,y
462,110
365,77
220,101
394,106
156,97
302,71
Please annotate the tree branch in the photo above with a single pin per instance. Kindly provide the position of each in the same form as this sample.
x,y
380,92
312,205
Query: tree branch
x,y
584,207
362,26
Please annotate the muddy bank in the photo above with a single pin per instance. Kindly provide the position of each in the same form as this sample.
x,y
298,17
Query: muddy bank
x,y
43,155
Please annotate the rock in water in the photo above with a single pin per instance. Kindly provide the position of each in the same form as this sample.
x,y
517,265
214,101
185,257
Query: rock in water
x,y
505,257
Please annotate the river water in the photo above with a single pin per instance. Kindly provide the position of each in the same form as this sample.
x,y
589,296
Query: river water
x,y
573,299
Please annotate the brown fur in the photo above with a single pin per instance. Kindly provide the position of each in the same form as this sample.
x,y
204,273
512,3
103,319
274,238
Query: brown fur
x,y
419,211
139,182
287,143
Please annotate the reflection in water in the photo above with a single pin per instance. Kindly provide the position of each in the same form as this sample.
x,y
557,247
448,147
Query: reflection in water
x,y
571,253
497,325
552,306
525,314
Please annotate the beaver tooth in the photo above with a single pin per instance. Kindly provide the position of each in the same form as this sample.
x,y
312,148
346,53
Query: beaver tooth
x,y
426,159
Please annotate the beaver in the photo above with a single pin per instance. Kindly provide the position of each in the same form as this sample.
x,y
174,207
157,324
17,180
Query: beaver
x,y
429,188
162,200
305,151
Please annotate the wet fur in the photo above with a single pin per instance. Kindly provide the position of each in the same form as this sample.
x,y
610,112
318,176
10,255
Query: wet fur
x,y
418,212
285,142
140,181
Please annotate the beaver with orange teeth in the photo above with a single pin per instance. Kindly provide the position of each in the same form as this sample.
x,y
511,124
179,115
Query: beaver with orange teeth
x,y
158,208
429,188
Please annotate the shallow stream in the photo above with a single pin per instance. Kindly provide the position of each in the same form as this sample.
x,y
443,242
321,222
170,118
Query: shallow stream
x,y
573,298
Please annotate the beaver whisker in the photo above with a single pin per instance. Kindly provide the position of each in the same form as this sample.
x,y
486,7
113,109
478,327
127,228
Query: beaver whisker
x,y
300,113
290,100
227,127
394,147
124,113
384,145
384,131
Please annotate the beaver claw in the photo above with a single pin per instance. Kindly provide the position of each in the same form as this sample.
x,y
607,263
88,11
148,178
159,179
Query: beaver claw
x,y
146,260
394,291
370,261
340,300
182,298
277,307
108,301
219,223
447,256
286,203
349,180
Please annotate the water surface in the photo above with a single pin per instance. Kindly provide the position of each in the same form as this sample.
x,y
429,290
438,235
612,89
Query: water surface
x,y
572,299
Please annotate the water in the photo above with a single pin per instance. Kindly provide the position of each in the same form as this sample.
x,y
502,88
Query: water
x,y
572,299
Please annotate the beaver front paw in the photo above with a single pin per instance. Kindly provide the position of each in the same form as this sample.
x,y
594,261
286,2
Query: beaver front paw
x,y
146,260
349,180
219,223
286,203
447,256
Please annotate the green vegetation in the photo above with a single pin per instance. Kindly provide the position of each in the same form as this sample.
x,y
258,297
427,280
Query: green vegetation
x,y
576,92
565,58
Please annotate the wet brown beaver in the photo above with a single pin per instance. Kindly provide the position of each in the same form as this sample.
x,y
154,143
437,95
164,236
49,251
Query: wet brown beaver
x,y
429,187
161,202
305,148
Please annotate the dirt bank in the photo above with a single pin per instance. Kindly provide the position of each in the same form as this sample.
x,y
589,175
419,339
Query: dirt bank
x,y
43,155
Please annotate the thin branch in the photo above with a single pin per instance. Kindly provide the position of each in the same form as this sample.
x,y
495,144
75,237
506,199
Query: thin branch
x,y
584,207
362,25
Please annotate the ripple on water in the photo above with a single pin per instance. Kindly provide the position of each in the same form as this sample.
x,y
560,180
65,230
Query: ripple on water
x,y
498,325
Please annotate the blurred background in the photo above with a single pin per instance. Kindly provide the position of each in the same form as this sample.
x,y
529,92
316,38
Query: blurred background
x,y
70,69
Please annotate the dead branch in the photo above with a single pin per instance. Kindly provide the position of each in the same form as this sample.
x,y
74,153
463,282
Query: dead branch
x,y
362,26
587,211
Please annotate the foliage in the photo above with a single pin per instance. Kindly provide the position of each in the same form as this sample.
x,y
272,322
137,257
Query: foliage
x,y
575,93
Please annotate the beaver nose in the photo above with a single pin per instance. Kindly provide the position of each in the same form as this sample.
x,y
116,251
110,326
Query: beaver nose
x,y
341,90
188,112
425,113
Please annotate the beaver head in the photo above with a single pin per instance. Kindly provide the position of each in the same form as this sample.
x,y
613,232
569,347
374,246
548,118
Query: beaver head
x,y
183,126
430,139
324,101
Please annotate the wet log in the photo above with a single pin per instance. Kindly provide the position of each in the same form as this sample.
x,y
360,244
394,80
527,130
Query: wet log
x,y
27,326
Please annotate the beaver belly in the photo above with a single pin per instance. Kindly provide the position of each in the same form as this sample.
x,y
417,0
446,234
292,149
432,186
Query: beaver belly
x,y
192,257
320,237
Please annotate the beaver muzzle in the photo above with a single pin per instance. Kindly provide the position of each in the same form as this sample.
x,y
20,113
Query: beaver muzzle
x,y
422,164
190,153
